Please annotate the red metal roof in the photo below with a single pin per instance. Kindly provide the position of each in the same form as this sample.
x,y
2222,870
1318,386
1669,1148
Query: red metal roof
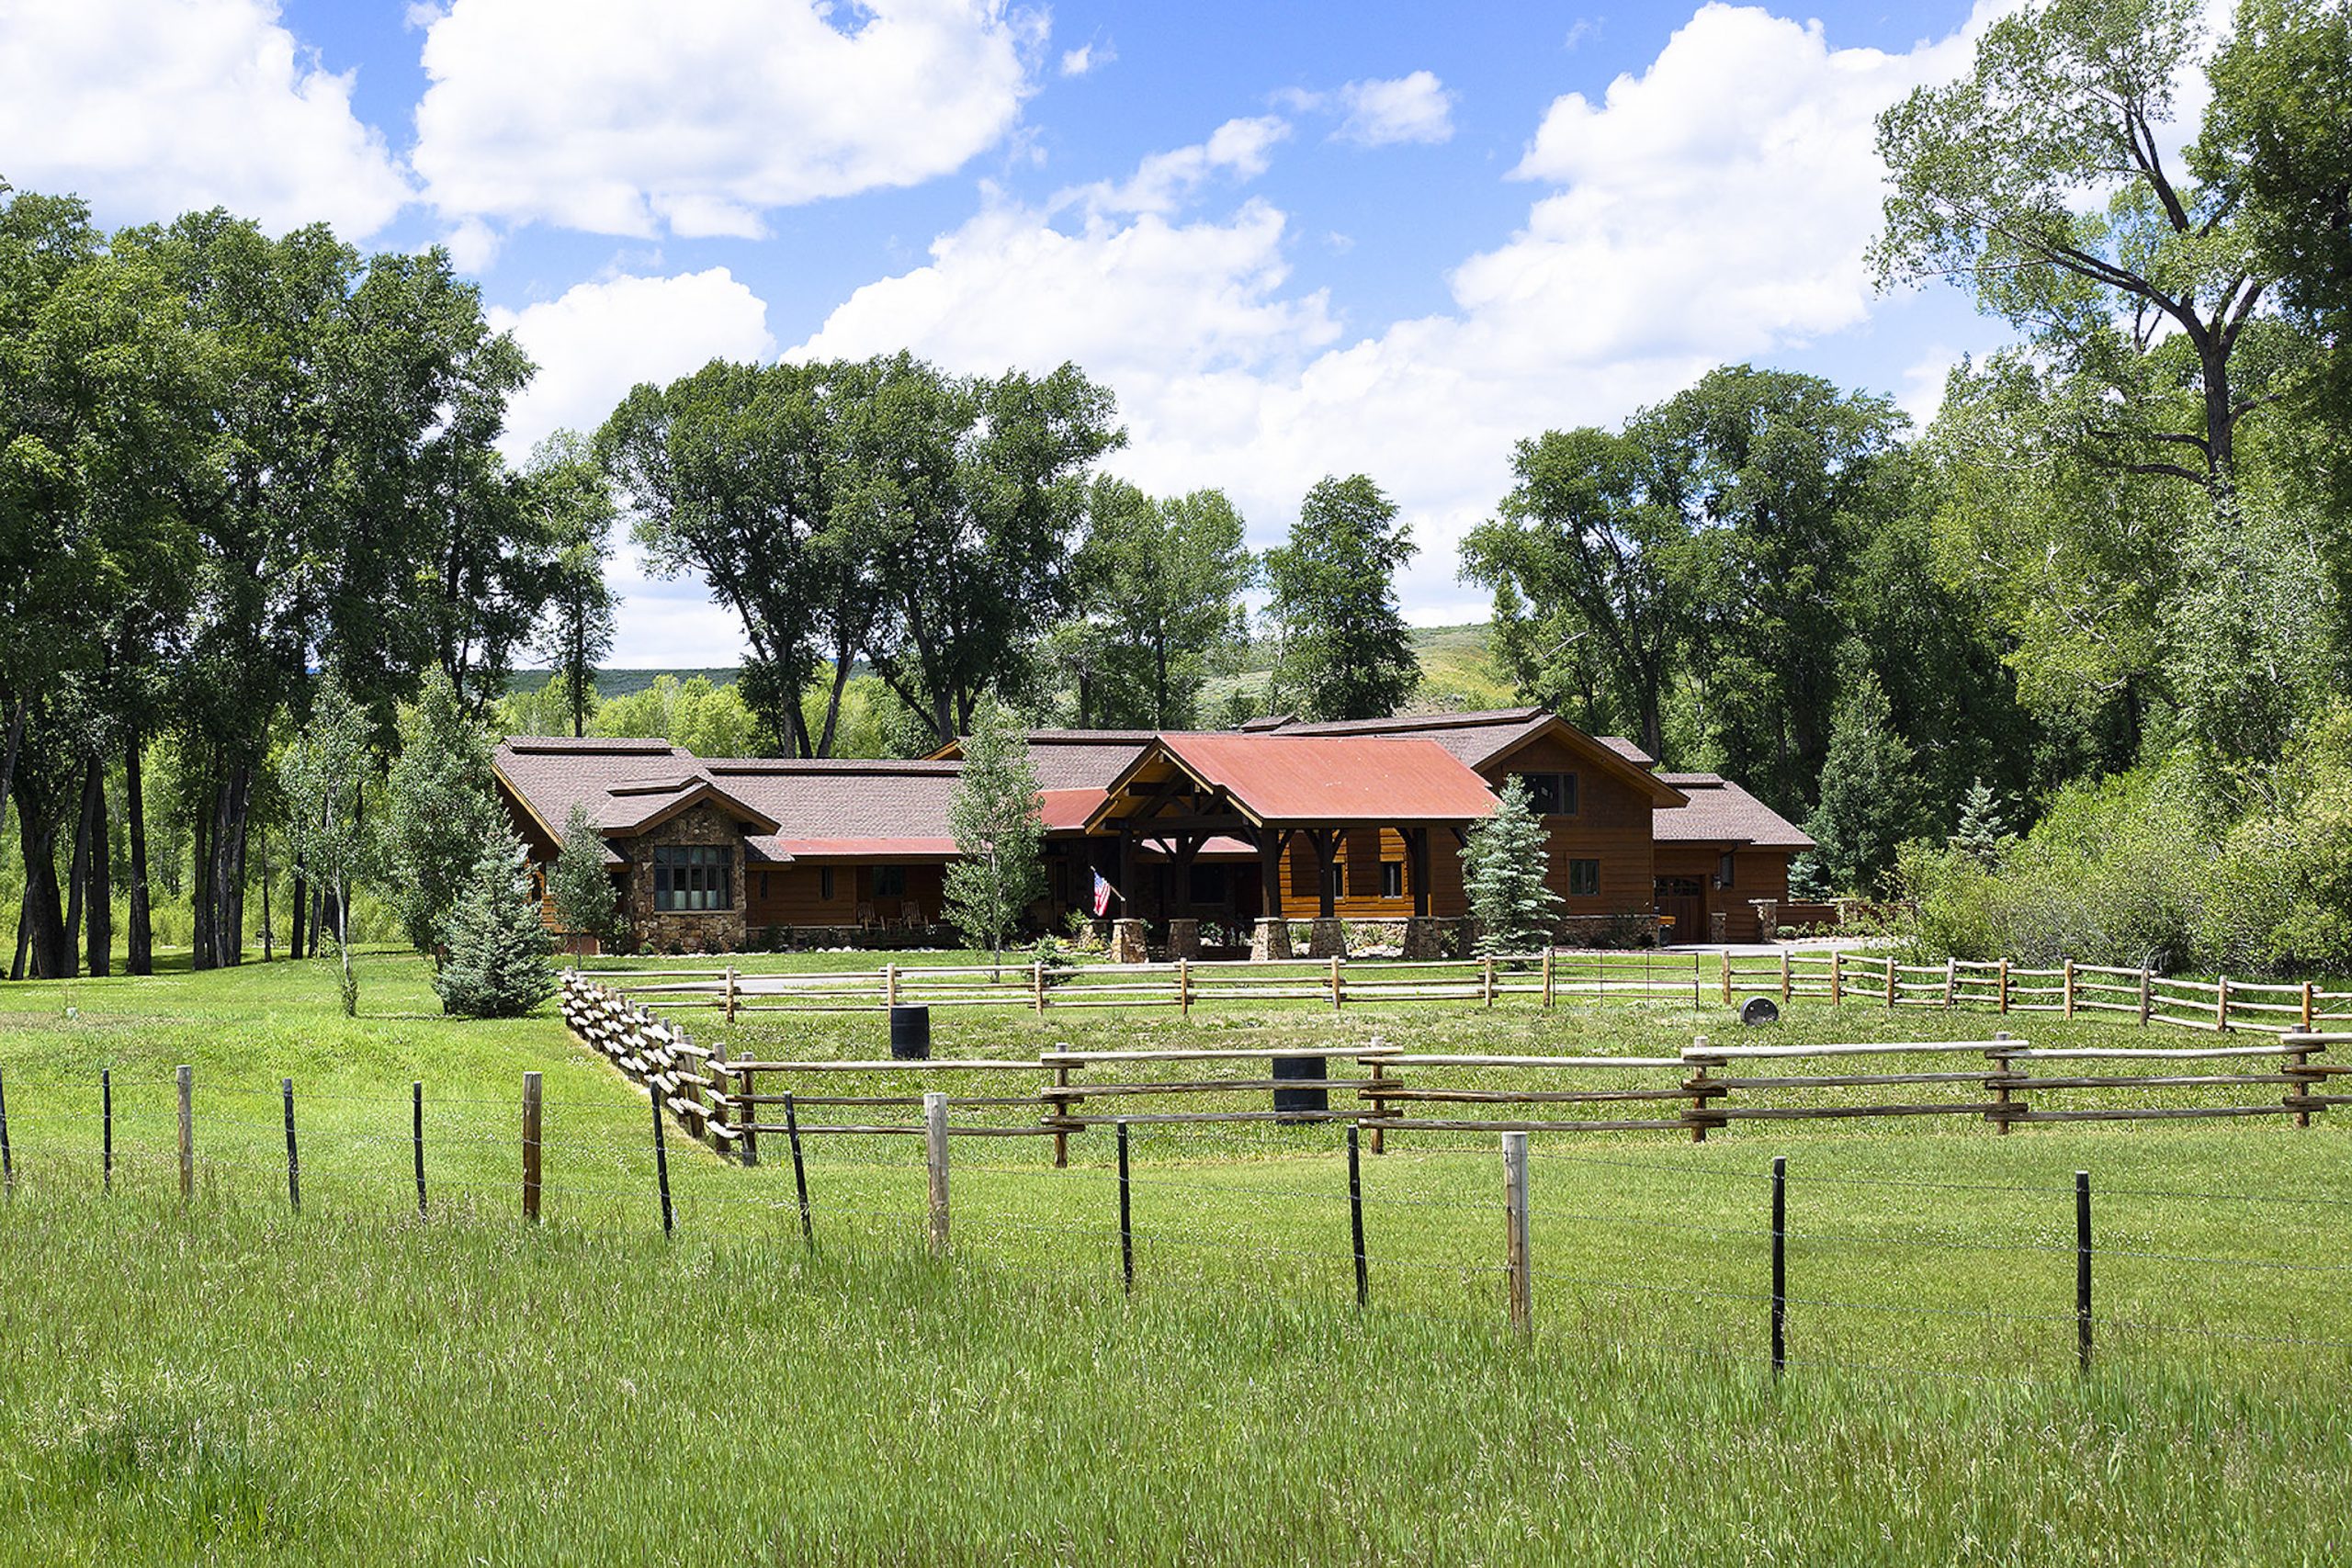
x,y
855,848
1317,778
1066,810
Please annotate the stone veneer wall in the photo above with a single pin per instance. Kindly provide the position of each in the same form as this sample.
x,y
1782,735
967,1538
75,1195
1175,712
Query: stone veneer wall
x,y
690,931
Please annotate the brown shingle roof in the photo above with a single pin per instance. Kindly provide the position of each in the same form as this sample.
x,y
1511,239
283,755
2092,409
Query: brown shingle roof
x,y
552,776
840,804
1721,813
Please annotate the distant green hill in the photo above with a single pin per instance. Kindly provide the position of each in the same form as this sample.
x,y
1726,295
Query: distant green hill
x,y
1456,673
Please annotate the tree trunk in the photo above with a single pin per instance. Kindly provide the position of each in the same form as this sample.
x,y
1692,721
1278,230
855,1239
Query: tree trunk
x,y
100,876
140,957
24,933
77,884
297,906
2220,435
52,956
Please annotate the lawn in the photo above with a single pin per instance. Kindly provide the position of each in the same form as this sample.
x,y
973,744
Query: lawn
x,y
236,1382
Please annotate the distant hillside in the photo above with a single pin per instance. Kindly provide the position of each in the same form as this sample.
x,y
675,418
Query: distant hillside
x,y
1455,674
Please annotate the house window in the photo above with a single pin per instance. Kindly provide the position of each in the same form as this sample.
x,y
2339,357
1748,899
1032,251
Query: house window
x,y
1584,878
1392,879
763,884
693,877
1550,795
1208,883
1722,869
825,883
889,882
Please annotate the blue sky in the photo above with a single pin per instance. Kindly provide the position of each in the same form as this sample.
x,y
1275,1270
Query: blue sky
x,y
1294,239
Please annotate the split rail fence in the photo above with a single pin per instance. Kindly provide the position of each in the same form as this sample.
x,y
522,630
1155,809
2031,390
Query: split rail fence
x,y
1706,1087
2221,1004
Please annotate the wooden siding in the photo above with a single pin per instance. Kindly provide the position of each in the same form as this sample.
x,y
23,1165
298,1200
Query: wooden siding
x,y
1362,851
794,894
1612,824
1756,874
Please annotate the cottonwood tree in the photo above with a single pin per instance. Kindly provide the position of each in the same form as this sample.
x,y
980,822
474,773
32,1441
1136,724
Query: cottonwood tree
x,y
1158,585
576,512
320,770
1505,862
997,818
1344,650
2039,183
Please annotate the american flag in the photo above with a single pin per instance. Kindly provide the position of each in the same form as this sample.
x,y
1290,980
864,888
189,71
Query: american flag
x,y
1102,897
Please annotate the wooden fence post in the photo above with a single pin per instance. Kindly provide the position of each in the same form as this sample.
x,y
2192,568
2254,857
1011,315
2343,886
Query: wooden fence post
x,y
1038,985
2146,981
2066,988
2220,1004
889,985
1788,984
186,1077
2005,987
730,993
293,1162
1185,986
1515,1231
1952,981
1486,979
1699,1093
2301,1089
531,1148
747,1126
1379,1106
661,1166
2004,1067
1336,994
2310,997
1727,977
1062,1104
934,1148
1837,977
1548,951
1893,968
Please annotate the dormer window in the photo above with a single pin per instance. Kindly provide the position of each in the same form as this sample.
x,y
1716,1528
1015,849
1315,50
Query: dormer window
x,y
1550,795
693,877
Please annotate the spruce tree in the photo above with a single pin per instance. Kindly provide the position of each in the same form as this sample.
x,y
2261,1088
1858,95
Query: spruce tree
x,y
585,898
1983,833
997,818
1869,797
497,963
1503,869
437,809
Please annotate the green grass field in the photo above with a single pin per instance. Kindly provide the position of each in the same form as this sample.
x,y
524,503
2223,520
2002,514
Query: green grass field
x,y
234,1381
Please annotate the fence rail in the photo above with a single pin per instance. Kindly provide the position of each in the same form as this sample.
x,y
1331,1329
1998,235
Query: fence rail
x,y
1711,1086
1839,977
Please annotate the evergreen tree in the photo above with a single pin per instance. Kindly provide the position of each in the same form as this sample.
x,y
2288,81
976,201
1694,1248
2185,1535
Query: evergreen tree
x,y
321,774
1345,652
1503,868
1868,804
585,899
998,823
437,811
1983,833
497,965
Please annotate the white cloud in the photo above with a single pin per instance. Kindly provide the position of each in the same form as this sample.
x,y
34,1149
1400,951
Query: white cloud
x,y
630,116
153,110
591,345
1713,208
1242,148
597,339
1383,113
1086,58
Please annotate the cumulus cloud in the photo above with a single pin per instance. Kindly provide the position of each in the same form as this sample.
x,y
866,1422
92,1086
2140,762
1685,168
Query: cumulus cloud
x,y
1087,57
596,340
632,117
1714,207
1411,108
1241,148
152,110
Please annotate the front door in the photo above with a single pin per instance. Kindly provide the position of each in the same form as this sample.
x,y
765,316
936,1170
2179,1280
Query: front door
x,y
1682,899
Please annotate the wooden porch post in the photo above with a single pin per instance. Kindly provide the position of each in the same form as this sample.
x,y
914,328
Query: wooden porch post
x,y
1271,842
1325,842
1417,866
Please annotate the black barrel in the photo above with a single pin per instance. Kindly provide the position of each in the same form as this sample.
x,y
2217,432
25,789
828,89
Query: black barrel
x,y
911,1033
1308,1070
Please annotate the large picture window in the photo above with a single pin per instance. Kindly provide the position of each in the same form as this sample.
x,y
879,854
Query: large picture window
x,y
693,877
1584,878
1551,794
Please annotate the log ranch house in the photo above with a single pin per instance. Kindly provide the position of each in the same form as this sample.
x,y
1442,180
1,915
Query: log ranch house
x,y
1239,831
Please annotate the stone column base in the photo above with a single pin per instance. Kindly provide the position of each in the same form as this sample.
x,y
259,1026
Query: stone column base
x,y
1424,937
1718,926
1768,918
1270,940
1127,941
1327,939
1184,939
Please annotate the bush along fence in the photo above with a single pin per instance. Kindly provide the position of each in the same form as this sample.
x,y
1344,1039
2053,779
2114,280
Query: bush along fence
x,y
1706,1088
1773,1299
1839,977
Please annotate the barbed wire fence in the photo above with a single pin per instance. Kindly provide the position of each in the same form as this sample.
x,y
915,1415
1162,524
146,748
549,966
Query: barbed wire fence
x,y
1727,1259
